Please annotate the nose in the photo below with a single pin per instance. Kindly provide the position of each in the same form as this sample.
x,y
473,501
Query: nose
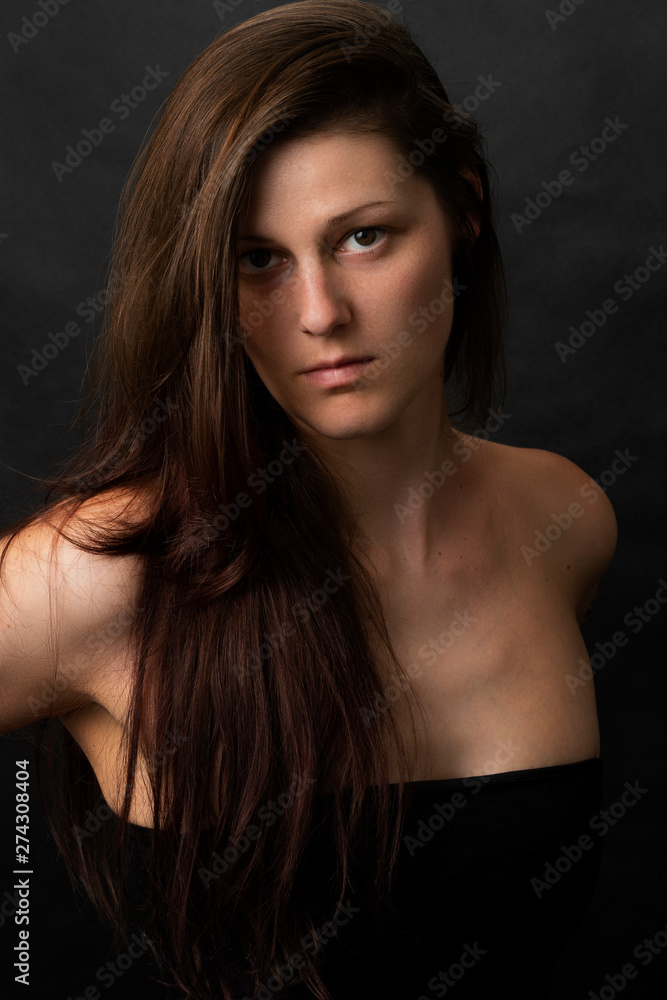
x,y
324,302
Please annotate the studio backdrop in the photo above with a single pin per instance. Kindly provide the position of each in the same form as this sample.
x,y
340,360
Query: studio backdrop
x,y
571,100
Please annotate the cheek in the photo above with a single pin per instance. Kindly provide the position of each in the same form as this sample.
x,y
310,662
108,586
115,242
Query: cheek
x,y
434,278
422,275
259,331
253,320
259,304
424,301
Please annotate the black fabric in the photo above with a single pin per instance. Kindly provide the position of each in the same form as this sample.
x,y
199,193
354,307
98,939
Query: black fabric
x,y
494,874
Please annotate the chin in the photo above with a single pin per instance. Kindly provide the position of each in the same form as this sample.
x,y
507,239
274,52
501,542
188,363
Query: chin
x,y
342,427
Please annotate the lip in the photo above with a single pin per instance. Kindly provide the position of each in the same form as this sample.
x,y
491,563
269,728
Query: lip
x,y
345,359
337,374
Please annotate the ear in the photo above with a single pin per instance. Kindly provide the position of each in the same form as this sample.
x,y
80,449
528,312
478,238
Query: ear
x,y
472,176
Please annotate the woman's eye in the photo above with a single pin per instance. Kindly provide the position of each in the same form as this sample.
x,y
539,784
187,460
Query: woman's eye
x,y
257,259
365,238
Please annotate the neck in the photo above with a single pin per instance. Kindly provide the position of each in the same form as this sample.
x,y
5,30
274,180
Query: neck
x,y
402,485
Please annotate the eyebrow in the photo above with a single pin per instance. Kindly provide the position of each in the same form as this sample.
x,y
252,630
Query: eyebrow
x,y
331,223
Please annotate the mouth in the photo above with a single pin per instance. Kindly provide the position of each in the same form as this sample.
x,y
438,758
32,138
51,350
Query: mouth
x,y
339,363
339,373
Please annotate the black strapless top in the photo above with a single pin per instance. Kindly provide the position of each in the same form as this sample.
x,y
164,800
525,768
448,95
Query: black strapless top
x,y
495,872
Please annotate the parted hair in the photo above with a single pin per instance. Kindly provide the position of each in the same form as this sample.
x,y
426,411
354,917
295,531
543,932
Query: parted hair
x,y
259,640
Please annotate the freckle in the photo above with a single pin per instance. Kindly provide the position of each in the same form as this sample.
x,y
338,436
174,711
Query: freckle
x,y
568,566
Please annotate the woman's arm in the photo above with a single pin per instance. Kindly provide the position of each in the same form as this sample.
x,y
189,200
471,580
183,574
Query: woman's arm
x,y
80,599
573,528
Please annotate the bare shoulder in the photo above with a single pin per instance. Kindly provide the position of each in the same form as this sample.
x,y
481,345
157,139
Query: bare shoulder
x,y
104,586
61,607
50,545
565,490
568,519
110,573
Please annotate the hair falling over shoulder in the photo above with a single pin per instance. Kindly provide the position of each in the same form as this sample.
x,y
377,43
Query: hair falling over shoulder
x,y
252,680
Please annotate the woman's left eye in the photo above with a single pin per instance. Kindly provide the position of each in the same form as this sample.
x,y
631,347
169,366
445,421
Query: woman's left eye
x,y
366,239
260,262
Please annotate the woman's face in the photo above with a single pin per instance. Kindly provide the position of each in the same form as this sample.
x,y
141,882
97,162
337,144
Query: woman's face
x,y
323,273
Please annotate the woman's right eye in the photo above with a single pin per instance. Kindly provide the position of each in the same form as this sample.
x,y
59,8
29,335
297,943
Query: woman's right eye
x,y
257,259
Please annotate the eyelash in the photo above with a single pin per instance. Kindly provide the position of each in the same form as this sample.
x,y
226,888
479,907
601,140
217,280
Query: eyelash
x,y
368,251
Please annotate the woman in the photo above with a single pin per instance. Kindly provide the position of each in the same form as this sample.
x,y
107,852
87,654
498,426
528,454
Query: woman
x,y
284,583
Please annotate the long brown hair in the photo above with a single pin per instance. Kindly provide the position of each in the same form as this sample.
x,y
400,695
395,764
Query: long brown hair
x,y
258,634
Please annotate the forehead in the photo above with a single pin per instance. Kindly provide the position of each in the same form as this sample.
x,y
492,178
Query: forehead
x,y
317,176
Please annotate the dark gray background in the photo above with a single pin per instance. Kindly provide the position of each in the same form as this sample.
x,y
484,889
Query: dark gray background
x,y
558,85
